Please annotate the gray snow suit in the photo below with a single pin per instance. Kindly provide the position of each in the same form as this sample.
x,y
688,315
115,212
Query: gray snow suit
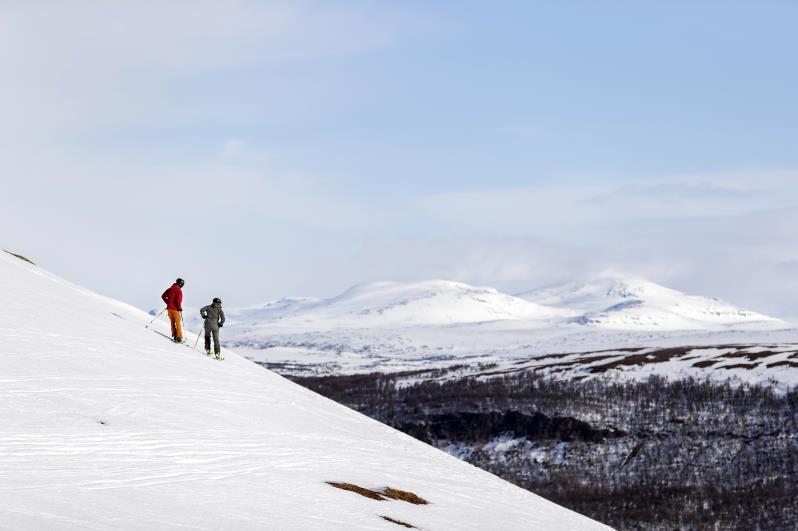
x,y
214,319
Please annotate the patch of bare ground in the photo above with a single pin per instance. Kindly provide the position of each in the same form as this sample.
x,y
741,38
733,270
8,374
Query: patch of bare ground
x,y
747,366
783,363
704,364
358,490
584,353
386,493
563,365
656,356
500,373
603,351
408,497
750,356
742,354
528,364
555,367
398,522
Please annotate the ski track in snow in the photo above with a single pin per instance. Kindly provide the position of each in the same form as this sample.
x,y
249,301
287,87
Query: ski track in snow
x,y
107,425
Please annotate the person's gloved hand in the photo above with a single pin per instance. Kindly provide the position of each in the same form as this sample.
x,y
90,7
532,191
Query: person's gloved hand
x,y
221,325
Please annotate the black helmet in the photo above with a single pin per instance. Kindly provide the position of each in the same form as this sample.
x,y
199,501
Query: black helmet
x,y
180,282
217,300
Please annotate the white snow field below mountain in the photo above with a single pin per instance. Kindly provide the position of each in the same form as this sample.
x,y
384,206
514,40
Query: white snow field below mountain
x,y
105,424
612,325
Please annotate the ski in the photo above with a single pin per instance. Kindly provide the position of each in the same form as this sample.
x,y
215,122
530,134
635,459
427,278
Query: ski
x,y
185,344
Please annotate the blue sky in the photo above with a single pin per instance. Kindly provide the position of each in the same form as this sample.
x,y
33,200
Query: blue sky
x,y
266,149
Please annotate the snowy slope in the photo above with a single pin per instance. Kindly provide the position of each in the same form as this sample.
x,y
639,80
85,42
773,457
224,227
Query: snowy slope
x,y
626,303
107,425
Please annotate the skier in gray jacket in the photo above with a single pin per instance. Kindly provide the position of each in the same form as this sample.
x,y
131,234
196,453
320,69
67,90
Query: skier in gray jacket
x,y
214,320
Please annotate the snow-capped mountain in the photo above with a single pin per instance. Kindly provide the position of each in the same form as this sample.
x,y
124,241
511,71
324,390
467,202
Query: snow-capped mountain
x,y
627,303
410,326
105,424
436,302
609,302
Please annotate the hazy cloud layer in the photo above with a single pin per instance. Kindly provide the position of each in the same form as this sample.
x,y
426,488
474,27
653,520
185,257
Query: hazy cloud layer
x,y
726,236
258,231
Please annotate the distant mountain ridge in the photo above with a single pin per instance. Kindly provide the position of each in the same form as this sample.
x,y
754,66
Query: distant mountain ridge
x,y
607,302
417,326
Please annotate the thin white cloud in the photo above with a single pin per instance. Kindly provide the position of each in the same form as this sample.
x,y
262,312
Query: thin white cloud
x,y
564,207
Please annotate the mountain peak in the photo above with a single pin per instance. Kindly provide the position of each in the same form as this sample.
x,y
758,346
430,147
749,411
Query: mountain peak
x,y
423,302
621,301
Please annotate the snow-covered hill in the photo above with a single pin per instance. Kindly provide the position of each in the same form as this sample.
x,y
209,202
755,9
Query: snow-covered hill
x,y
391,327
627,303
436,302
107,425
608,302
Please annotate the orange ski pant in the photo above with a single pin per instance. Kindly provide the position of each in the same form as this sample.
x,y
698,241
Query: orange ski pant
x,y
174,318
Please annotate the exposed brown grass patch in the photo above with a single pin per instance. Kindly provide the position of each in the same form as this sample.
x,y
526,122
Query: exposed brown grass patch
x,y
19,256
704,364
386,494
358,490
408,497
398,522
656,356
750,356
560,366
783,363
747,366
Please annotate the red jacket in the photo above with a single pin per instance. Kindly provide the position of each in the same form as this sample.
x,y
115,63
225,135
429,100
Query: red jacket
x,y
173,297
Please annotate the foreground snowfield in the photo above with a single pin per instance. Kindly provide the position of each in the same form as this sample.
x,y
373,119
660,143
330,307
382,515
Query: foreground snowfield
x,y
107,425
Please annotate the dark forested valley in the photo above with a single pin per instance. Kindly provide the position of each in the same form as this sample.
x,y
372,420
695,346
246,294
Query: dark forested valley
x,y
636,455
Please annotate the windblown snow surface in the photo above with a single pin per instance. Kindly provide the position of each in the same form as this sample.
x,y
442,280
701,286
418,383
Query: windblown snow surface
x,y
612,325
105,424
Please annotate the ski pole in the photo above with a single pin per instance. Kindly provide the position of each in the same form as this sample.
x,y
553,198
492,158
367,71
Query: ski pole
x,y
202,328
182,323
154,318
197,341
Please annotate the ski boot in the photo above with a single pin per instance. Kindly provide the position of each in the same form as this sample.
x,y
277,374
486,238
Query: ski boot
x,y
219,356
208,352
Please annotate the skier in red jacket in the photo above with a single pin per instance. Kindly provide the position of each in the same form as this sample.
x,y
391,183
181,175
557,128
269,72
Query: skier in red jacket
x,y
173,297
